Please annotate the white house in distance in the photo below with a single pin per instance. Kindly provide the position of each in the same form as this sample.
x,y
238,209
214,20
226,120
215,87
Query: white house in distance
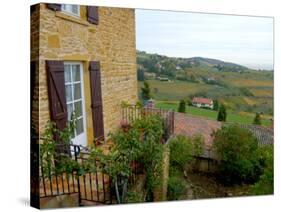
x,y
203,102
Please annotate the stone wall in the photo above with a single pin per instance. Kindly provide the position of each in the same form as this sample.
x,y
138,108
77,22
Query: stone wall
x,y
112,42
160,193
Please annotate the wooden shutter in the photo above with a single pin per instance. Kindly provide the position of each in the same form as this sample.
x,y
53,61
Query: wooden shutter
x,y
55,7
93,14
56,92
96,97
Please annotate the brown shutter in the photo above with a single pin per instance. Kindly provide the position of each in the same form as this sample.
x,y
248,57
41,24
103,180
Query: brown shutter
x,y
96,96
93,14
55,7
56,92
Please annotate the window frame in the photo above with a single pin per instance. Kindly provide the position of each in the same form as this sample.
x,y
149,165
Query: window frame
x,y
68,12
82,99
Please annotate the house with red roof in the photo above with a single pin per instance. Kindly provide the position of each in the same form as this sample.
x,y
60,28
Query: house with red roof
x,y
203,102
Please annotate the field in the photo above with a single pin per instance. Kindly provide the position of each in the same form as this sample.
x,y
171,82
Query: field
x,y
244,118
243,91
261,99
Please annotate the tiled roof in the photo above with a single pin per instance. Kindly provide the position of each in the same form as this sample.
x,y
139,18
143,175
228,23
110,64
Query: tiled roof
x,y
202,100
191,125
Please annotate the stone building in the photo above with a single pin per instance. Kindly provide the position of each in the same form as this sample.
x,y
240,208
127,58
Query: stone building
x,y
83,60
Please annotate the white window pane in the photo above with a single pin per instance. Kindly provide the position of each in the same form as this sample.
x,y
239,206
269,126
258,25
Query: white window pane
x,y
69,111
67,76
75,9
68,93
78,108
76,73
70,8
77,91
79,126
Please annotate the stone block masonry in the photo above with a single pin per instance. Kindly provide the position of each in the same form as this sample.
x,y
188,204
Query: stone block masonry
x,y
69,38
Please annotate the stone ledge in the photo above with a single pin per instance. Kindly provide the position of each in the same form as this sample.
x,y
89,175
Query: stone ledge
x,y
72,18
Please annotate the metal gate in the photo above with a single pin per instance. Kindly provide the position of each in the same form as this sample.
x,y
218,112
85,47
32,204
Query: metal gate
x,y
92,187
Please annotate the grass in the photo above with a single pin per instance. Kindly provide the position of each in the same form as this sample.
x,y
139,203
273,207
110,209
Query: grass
x,y
230,96
175,90
246,118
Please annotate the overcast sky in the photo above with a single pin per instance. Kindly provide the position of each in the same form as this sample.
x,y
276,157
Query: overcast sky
x,y
240,39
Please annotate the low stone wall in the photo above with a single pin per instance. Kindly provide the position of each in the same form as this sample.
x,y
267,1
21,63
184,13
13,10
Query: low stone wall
x,y
202,164
62,201
160,194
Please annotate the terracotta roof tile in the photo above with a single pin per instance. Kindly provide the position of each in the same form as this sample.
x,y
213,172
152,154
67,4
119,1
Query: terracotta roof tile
x,y
191,125
202,100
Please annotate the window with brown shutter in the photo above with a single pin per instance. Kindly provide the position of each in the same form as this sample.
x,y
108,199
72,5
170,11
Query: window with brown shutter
x,y
56,92
93,14
96,97
55,7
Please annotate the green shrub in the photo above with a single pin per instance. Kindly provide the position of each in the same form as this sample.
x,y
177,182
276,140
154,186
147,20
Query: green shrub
x,y
216,105
181,108
151,151
198,145
145,91
237,150
257,119
182,150
152,126
222,113
266,181
176,188
134,197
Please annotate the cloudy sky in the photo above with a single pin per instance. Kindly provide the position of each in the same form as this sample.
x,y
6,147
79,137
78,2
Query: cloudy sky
x,y
240,39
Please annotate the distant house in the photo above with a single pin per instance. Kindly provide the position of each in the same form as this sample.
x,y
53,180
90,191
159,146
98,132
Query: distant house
x,y
178,67
149,75
203,102
165,79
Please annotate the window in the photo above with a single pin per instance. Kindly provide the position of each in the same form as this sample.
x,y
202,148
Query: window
x,y
75,100
71,9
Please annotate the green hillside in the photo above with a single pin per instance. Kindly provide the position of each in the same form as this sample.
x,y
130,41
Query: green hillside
x,y
241,89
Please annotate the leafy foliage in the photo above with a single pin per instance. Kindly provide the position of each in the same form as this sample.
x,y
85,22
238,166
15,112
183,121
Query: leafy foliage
x,y
142,143
52,159
126,149
181,108
152,150
134,197
216,105
257,119
176,188
180,151
183,149
145,91
237,150
222,113
266,181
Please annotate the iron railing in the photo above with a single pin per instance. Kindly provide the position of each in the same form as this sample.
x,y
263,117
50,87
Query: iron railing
x,y
130,113
90,186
